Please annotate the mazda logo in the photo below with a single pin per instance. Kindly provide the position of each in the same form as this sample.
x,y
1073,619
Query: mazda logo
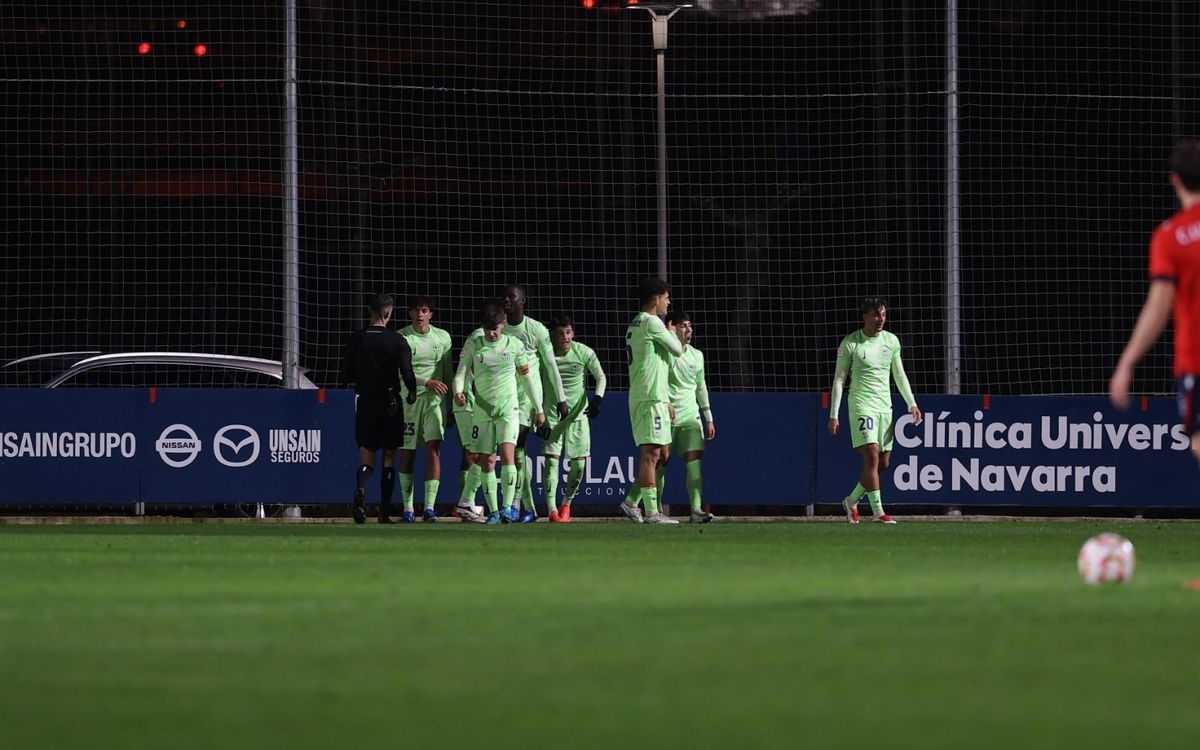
x,y
234,440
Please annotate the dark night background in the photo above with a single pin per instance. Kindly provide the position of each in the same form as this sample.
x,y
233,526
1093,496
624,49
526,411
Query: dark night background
x,y
454,146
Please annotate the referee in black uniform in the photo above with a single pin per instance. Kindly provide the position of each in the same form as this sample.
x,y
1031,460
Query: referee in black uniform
x,y
376,358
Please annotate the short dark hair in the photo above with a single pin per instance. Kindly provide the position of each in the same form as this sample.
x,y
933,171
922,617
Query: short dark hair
x,y
650,288
492,315
676,317
871,304
561,320
1185,162
519,287
377,304
420,300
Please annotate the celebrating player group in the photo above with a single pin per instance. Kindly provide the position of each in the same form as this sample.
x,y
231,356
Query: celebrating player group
x,y
515,376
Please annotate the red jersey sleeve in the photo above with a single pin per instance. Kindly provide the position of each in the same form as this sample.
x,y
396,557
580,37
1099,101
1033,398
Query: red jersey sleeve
x,y
1163,264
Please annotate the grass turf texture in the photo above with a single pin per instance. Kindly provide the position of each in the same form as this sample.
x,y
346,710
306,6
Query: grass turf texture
x,y
931,635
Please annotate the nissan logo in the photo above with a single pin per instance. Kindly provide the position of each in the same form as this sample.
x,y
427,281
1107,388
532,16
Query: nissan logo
x,y
178,445
234,439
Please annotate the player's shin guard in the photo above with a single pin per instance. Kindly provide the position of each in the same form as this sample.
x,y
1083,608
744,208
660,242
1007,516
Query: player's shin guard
x,y
431,490
550,483
387,487
489,490
695,484
406,490
508,485
650,498
526,485
633,495
520,477
875,497
472,480
574,479
363,476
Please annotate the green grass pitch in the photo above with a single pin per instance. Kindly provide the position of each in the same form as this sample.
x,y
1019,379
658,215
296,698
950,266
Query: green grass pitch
x,y
733,635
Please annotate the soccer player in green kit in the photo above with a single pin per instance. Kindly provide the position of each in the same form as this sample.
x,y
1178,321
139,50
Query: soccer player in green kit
x,y
689,396
425,420
574,361
870,356
536,339
495,362
650,345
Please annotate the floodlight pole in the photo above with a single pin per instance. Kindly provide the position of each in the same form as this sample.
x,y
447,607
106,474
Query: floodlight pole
x,y
659,17
291,207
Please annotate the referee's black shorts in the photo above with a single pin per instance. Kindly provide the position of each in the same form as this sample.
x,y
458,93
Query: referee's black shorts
x,y
374,427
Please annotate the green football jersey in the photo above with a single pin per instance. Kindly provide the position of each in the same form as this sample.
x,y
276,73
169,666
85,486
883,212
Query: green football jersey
x,y
574,366
689,393
870,362
536,338
468,387
430,355
650,348
495,367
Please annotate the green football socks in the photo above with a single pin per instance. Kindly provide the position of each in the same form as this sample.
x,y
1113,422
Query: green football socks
x,y
471,480
695,483
875,497
574,478
550,483
489,490
508,485
406,490
431,490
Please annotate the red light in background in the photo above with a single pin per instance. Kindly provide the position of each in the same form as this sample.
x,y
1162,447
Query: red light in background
x,y
181,24
200,50
589,4
144,48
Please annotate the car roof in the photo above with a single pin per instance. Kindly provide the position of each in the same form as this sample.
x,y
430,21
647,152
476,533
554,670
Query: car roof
x,y
76,362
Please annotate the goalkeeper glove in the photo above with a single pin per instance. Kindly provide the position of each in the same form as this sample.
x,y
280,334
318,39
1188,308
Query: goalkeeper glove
x,y
543,431
593,410
563,411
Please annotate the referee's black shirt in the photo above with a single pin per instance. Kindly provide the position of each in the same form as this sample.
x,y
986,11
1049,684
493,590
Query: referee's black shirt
x,y
376,358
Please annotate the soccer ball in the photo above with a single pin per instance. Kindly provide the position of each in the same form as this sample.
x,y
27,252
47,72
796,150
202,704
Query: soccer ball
x,y
1106,558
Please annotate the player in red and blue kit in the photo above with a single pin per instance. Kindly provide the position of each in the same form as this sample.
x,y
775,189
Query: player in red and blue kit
x,y
1174,290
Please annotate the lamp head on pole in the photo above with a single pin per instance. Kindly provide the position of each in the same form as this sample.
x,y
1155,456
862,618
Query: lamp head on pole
x,y
660,13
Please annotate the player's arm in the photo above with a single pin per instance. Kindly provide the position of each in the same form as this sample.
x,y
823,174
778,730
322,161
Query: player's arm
x,y
466,370
710,429
657,332
545,353
840,371
534,383
905,389
406,367
597,373
1150,324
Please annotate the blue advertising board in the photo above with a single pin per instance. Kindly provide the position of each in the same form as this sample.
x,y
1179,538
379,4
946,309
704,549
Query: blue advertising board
x,y
1052,451
232,446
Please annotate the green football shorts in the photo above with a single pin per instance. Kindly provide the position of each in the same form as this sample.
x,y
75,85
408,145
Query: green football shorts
x,y
575,442
464,421
651,422
424,421
488,433
871,427
687,436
